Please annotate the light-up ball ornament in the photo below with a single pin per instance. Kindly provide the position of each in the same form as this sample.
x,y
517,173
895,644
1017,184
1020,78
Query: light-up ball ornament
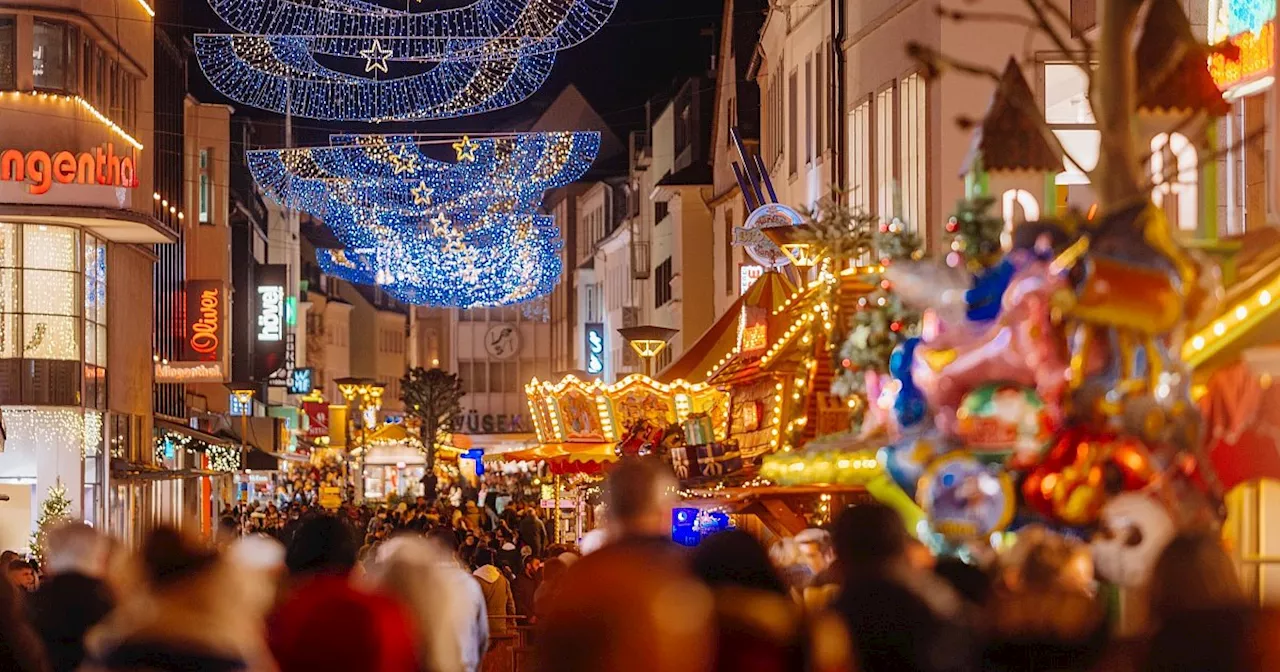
x,y
964,498
757,246
999,422
1082,470
906,459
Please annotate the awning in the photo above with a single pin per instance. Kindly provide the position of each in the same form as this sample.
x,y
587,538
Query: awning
x,y
203,437
565,458
1242,423
256,459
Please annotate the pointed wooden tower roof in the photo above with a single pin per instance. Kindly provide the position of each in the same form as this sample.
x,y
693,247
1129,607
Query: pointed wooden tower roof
x,y
1173,67
1010,139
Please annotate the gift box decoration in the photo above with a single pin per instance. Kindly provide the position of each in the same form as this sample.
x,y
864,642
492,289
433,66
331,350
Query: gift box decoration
x,y
718,459
698,431
680,462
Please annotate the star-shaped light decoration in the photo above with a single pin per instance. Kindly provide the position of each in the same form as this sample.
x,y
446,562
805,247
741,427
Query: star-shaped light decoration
x,y
422,193
375,57
441,226
403,162
466,148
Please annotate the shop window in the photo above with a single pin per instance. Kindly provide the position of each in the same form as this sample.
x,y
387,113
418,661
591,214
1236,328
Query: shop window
x,y
50,64
660,209
1174,174
808,112
95,321
819,106
1068,113
8,52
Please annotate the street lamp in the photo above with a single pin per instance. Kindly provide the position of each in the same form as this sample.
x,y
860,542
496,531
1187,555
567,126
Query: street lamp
x,y
243,394
366,395
648,340
795,243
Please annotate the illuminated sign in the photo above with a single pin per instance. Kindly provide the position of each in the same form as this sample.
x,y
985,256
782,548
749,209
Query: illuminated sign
x,y
1257,57
270,347
595,348
750,235
42,170
753,329
204,320
300,381
747,276
235,407
189,372
317,418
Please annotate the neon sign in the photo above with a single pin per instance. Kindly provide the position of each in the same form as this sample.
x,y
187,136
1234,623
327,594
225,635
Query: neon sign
x,y
595,348
42,170
271,312
204,319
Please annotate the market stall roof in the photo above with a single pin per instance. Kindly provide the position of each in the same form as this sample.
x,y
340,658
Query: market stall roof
x,y
1173,68
256,459
1010,138
1249,315
769,292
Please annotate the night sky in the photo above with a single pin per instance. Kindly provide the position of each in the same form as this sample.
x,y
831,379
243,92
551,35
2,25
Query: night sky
x,y
645,47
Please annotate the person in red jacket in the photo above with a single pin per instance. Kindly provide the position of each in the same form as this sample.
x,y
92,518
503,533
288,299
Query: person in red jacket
x,y
326,623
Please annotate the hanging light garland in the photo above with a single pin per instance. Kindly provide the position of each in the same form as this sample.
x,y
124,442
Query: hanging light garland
x,y
224,458
505,27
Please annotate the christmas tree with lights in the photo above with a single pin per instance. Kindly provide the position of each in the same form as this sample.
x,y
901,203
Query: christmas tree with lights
x,y
54,510
882,320
975,229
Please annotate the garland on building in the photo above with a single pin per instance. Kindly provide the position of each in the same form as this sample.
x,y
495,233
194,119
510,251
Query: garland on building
x,y
224,458
55,509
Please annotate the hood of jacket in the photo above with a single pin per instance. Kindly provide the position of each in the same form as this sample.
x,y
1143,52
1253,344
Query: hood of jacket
x,y
488,574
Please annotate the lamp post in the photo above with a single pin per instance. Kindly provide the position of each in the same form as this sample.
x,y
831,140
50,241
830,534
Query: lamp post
x,y
366,394
648,340
794,242
243,394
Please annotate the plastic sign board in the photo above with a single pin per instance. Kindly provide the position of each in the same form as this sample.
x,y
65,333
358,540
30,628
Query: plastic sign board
x,y
300,381
595,348
41,169
269,323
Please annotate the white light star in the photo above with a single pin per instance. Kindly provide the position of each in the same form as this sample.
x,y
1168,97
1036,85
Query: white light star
x,y
375,57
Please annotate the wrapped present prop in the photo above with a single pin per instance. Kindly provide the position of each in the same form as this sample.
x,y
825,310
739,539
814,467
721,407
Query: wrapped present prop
x,y
698,430
718,459
680,462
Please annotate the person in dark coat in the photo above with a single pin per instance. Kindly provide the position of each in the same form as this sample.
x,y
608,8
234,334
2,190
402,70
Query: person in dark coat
x,y
532,532
20,648
901,619
525,586
74,598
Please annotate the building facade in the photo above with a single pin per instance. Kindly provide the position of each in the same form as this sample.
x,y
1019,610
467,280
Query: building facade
x,y
77,225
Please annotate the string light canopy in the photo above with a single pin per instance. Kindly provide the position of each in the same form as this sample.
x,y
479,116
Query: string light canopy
x,y
281,74
481,57
461,233
509,174
482,29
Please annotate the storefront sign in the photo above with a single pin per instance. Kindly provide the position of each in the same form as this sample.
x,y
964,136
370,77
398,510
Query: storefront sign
x,y
270,346
747,276
300,381
189,372
749,236
205,301
473,422
1257,58
502,341
317,418
595,348
753,329
41,170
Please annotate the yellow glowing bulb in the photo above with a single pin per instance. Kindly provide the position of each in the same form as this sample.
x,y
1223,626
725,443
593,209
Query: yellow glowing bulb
x,y
1241,313
1264,298
1219,328
1198,342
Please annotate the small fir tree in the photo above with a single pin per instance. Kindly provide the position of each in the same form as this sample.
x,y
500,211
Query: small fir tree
x,y
55,509
881,321
975,229
434,396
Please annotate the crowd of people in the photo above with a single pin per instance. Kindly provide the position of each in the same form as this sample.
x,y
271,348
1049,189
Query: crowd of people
x,y
434,588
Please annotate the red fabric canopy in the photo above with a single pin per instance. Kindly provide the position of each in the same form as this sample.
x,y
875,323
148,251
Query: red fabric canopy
x,y
1242,423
